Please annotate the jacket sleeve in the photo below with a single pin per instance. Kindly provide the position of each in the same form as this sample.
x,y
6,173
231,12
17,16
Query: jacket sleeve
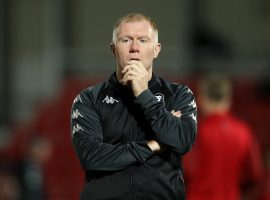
x,y
87,139
176,133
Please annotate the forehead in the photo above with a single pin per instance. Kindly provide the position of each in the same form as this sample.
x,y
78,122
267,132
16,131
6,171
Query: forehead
x,y
135,28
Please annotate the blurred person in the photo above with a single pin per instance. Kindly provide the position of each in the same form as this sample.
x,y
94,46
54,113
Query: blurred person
x,y
30,170
225,162
131,130
9,185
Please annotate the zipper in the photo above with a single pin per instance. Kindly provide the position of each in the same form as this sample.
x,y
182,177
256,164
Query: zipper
x,y
130,171
131,186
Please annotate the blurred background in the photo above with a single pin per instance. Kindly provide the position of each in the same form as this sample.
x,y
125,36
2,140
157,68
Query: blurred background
x,y
52,49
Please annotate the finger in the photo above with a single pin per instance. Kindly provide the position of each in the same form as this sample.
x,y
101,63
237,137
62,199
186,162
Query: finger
x,y
131,67
176,113
128,77
136,65
126,68
131,71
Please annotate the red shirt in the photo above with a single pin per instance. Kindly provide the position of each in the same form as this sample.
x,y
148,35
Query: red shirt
x,y
224,158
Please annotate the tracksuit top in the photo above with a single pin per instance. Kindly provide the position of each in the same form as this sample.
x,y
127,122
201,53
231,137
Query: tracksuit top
x,y
110,129
225,159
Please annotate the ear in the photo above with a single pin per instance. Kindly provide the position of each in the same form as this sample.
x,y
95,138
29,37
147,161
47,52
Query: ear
x,y
113,48
157,50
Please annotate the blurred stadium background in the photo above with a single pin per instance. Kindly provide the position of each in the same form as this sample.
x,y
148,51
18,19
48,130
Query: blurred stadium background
x,y
51,49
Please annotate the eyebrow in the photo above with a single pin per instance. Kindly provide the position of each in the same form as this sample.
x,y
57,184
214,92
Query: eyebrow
x,y
130,37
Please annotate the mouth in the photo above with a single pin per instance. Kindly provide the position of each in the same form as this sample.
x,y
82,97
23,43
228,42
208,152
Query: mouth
x,y
137,59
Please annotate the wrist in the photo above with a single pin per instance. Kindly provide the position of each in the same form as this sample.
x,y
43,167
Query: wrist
x,y
137,93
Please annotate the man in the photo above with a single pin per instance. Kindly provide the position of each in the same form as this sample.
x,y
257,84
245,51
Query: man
x,y
130,131
225,162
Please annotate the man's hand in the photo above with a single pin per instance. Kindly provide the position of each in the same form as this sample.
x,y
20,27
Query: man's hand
x,y
153,145
176,113
136,74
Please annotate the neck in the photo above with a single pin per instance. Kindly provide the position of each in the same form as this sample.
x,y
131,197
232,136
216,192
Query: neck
x,y
218,108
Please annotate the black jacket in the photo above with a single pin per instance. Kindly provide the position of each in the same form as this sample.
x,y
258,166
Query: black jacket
x,y
110,129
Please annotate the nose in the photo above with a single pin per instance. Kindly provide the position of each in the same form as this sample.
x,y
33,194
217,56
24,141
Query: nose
x,y
134,47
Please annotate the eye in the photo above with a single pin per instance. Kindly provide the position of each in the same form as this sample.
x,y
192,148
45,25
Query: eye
x,y
125,40
143,40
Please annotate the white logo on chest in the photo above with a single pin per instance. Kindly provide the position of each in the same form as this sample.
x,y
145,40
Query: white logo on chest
x,y
160,97
109,100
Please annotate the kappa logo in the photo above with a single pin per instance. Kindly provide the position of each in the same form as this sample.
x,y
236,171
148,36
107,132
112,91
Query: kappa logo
x,y
110,100
78,98
76,114
189,91
193,117
193,104
76,129
160,97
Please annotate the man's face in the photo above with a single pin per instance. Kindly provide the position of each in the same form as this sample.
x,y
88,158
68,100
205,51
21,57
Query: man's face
x,y
136,41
